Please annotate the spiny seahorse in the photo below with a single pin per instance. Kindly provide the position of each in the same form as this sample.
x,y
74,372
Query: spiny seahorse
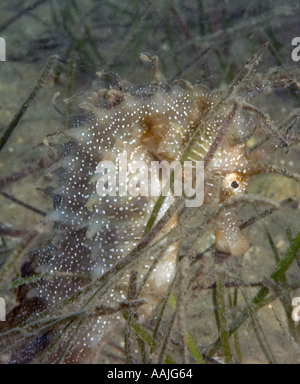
x,y
93,234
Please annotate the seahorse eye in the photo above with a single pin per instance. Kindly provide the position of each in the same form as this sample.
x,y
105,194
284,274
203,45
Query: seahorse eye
x,y
235,184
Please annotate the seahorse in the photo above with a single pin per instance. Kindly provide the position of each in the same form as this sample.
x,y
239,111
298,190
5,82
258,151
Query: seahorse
x,y
93,234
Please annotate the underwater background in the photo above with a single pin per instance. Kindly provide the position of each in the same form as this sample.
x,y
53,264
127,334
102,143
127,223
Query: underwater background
x,y
239,310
